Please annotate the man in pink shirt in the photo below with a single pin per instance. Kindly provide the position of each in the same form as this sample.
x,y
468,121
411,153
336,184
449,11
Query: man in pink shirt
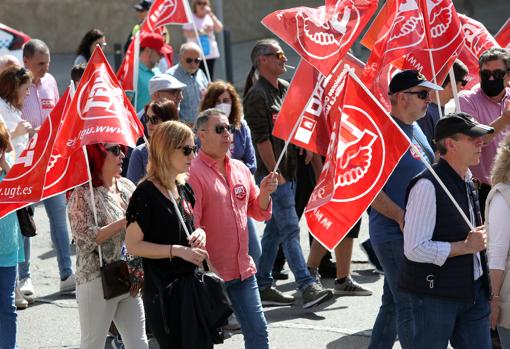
x,y
225,194
36,108
489,104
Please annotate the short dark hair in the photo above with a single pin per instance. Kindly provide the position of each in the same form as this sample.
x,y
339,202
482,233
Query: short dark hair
x,y
35,45
204,116
460,70
441,146
493,54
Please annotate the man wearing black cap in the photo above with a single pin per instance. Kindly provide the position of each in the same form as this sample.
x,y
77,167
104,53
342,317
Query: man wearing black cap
x,y
444,271
409,96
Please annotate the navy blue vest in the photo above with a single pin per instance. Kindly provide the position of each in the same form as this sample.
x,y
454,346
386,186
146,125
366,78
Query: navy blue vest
x,y
454,279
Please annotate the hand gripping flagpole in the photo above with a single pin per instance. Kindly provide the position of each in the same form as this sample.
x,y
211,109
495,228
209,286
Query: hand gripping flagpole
x,y
188,12
422,158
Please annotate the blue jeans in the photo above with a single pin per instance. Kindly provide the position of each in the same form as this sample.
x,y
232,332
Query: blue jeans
x,y
504,337
464,323
396,309
245,299
254,247
283,228
56,211
7,308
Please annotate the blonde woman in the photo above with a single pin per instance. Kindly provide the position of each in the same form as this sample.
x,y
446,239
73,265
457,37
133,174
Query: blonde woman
x,y
155,233
497,213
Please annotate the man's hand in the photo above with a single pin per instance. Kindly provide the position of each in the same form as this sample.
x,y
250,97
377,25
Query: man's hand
x,y
269,184
476,240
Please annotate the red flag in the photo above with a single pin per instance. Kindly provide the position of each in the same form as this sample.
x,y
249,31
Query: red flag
x,y
126,70
312,94
321,42
397,30
41,171
503,35
163,12
444,40
100,111
477,40
365,147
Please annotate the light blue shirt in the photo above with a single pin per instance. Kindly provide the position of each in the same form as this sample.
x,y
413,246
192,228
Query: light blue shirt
x,y
144,75
196,84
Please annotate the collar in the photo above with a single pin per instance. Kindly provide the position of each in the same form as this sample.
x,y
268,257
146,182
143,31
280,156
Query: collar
x,y
501,102
267,84
144,67
186,72
208,160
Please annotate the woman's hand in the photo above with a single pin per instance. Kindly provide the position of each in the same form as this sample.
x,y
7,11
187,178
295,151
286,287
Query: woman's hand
x,y
197,238
495,312
193,255
22,128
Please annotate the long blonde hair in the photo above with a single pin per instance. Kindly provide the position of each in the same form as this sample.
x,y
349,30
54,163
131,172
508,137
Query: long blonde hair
x,y
167,138
501,169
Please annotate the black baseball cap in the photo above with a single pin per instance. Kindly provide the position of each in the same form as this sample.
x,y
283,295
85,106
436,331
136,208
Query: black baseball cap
x,y
410,78
460,123
143,5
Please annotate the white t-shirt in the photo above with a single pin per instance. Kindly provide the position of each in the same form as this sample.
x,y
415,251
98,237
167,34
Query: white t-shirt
x,y
205,24
12,117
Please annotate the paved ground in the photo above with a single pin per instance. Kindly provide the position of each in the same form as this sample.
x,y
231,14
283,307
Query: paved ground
x,y
52,322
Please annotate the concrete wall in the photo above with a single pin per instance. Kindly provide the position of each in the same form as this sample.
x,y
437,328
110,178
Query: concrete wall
x,y
62,23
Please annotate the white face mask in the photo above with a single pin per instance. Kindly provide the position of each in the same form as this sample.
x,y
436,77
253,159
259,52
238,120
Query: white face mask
x,y
225,108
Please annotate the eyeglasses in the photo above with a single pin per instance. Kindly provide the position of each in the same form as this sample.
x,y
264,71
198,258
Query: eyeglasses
x,y
187,150
219,129
497,74
195,60
423,94
114,149
154,120
280,55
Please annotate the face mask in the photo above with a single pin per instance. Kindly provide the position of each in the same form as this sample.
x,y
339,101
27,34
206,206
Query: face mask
x,y
492,87
225,108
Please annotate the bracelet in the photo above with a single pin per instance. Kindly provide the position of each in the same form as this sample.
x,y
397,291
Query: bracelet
x,y
171,252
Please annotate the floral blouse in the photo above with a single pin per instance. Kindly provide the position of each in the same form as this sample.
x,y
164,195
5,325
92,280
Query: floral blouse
x,y
84,229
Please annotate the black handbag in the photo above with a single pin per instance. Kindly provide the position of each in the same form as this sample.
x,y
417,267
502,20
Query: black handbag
x,y
26,221
114,277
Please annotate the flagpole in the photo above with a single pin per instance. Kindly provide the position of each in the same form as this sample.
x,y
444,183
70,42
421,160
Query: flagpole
x,y
453,83
190,16
435,82
93,201
136,62
422,158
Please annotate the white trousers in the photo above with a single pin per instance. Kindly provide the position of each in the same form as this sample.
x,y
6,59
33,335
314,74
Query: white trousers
x,y
96,314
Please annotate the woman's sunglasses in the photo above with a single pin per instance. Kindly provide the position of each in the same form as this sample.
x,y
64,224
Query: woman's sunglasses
x,y
187,150
115,149
154,120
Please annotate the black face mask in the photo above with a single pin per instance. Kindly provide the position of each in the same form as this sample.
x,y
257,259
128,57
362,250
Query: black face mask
x,y
492,87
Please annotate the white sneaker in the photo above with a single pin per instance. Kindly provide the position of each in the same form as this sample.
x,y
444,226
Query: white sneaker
x,y
26,287
68,285
19,300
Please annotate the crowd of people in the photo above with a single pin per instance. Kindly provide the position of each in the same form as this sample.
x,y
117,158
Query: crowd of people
x,y
211,157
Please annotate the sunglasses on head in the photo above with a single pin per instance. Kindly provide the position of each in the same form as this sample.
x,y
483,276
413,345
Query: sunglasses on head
x,y
219,129
187,150
21,72
423,94
154,120
195,60
114,149
497,74
280,55
463,83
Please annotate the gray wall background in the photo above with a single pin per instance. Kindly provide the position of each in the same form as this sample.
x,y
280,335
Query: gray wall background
x,y
62,23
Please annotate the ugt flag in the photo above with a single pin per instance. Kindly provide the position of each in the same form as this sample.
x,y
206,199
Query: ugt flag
x,y
365,147
163,12
311,95
503,35
100,111
319,39
41,171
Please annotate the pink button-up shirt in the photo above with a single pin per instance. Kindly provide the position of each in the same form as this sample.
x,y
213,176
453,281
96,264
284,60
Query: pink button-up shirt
x,y
40,102
485,111
222,208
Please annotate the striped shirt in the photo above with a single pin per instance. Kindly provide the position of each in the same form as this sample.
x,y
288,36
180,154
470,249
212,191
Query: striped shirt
x,y
420,221
40,102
